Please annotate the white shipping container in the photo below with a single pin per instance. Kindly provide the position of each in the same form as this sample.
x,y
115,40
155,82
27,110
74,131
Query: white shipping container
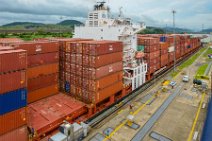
x,y
171,49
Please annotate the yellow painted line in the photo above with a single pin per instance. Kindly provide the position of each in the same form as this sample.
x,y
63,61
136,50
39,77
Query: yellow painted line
x,y
123,123
196,118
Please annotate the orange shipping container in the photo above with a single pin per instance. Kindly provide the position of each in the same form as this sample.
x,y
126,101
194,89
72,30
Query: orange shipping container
x,y
38,47
20,134
152,55
12,81
42,70
13,60
42,93
164,46
42,81
96,97
96,85
12,120
164,60
102,60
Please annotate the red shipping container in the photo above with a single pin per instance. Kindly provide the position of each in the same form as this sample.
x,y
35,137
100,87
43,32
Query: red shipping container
x,y
15,60
96,97
171,57
63,107
99,61
12,81
96,48
38,47
79,70
12,120
73,58
64,43
68,77
92,73
152,55
42,70
151,62
164,46
67,67
164,60
178,54
42,93
67,57
6,48
154,68
42,81
41,59
96,85
79,59
20,134
162,52
152,48
147,40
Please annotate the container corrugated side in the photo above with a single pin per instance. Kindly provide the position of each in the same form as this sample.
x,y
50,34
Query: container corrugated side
x,y
38,47
41,59
96,48
96,85
42,93
13,100
42,70
102,60
12,81
15,60
152,55
164,60
96,97
42,81
12,120
6,48
20,134
92,73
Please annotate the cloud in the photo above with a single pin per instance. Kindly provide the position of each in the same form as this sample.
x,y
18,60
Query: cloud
x,y
190,14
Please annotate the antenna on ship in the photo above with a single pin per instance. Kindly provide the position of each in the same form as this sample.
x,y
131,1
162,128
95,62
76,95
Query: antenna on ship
x,y
120,12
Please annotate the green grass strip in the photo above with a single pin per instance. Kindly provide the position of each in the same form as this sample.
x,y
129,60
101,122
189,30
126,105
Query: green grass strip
x,y
187,62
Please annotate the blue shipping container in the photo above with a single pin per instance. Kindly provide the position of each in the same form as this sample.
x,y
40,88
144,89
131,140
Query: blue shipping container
x,y
163,39
13,100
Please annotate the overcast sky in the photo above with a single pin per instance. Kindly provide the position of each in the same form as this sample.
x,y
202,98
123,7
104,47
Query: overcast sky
x,y
190,13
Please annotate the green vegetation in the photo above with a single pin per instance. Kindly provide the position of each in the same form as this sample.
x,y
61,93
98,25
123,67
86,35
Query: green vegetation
x,y
64,25
152,30
209,51
188,62
201,71
35,35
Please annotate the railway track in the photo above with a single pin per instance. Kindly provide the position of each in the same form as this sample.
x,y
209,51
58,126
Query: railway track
x,y
102,117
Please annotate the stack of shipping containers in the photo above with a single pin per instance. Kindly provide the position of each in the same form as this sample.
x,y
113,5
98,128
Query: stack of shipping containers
x,y
43,68
87,70
93,70
152,53
13,94
184,45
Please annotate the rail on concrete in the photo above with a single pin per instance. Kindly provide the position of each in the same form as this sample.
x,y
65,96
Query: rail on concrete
x,y
149,124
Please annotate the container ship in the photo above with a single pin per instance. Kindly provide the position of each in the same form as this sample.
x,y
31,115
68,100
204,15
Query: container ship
x,y
57,84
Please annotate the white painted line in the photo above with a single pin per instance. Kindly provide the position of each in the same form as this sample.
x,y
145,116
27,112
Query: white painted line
x,y
195,135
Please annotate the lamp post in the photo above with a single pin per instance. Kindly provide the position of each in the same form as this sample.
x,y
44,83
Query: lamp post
x,y
174,12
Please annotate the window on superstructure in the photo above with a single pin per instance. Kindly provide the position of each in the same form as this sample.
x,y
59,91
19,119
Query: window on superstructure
x,y
90,23
95,23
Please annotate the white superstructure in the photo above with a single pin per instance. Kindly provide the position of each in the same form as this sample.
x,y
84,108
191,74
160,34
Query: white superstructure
x,y
100,26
